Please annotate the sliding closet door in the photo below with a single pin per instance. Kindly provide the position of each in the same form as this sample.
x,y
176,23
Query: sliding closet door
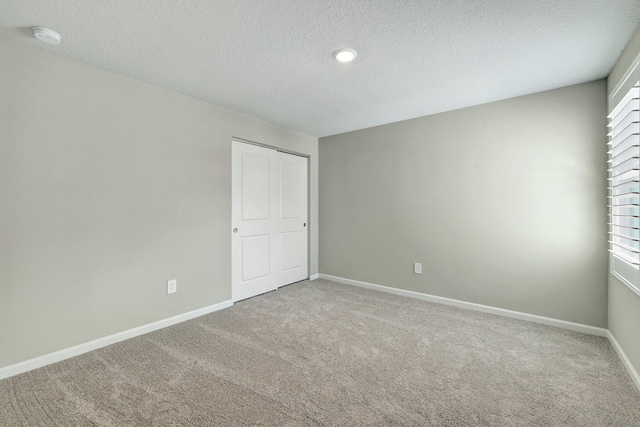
x,y
292,221
269,220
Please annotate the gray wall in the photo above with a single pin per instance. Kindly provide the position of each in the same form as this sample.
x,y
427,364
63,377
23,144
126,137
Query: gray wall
x,y
109,187
624,305
503,203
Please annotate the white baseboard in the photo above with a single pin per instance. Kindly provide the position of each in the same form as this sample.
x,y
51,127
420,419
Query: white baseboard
x,y
625,360
314,276
578,327
47,359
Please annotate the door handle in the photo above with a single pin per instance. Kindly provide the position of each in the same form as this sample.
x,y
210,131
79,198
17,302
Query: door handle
x,y
235,230
304,225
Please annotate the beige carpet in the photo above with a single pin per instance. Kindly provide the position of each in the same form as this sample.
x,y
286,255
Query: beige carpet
x,y
320,353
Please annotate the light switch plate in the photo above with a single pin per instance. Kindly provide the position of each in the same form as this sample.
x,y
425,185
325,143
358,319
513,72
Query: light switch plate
x,y
172,286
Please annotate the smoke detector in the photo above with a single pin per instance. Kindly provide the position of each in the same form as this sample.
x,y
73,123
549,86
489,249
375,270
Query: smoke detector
x,y
47,35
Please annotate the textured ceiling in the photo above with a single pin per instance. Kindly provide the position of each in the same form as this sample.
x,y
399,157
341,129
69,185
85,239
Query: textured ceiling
x,y
272,59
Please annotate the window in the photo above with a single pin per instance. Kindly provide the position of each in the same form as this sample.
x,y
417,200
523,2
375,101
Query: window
x,y
624,187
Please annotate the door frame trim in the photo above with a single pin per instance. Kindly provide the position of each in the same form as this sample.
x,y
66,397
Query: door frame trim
x,y
270,147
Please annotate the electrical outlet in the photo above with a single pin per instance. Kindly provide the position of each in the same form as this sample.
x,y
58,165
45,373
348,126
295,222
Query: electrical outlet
x,y
172,286
417,268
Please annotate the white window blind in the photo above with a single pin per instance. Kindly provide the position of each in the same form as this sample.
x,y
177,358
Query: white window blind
x,y
624,178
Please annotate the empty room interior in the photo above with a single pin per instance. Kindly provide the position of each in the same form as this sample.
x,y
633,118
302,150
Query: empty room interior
x,y
320,212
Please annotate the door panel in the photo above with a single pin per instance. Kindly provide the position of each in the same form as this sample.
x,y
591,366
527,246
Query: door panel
x,y
255,187
255,257
291,189
292,256
269,220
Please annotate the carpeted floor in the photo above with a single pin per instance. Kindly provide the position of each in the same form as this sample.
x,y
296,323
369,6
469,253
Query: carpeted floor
x,y
320,353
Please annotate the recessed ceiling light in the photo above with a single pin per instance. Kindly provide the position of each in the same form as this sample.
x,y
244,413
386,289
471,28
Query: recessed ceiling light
x,y
47,35
345,55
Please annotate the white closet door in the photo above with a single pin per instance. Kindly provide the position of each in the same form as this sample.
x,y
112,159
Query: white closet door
x,y
269,220
254,181
292,226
